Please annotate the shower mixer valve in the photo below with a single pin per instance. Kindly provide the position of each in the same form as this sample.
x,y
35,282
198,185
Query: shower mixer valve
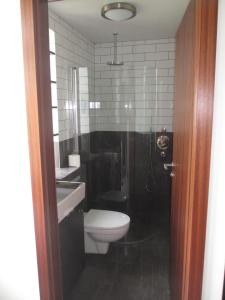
x,y
163,140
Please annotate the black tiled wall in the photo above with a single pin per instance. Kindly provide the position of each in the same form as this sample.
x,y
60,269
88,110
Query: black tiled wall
x,y
66,147
104,161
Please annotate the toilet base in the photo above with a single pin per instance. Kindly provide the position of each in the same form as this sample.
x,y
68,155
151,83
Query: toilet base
x,y
92,246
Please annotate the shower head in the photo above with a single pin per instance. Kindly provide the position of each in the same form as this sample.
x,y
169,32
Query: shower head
x,y
114,62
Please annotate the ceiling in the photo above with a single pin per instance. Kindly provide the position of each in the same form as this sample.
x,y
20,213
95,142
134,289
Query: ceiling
x,y
155,19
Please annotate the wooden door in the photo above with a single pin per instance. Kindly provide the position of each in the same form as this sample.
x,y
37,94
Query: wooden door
x,y
195,62
34,18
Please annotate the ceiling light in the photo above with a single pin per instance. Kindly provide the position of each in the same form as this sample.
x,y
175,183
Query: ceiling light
x,y
118,11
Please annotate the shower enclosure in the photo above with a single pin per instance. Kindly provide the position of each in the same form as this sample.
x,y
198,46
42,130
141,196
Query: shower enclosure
x,y
121,163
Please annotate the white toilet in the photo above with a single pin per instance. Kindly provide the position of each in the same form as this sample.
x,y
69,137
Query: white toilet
x,y
102,227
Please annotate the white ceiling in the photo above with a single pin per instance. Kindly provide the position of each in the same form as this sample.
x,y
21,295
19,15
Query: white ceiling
x,y
155,19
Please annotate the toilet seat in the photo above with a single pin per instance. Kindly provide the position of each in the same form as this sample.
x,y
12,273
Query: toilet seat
x,y
104,220
102,227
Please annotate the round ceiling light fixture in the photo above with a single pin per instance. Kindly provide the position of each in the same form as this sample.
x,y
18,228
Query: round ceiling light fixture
x,y
118,11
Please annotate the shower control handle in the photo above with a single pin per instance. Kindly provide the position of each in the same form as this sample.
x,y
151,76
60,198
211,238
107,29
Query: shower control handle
x,y
168,165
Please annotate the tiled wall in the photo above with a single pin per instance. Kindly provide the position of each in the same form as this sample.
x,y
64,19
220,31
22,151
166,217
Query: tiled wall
x,y
127,166
72,50
137,96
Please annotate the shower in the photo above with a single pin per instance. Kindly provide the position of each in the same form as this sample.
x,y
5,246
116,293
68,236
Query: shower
x,y
114,61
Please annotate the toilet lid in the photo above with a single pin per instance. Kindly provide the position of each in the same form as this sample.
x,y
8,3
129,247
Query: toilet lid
x,y
105,219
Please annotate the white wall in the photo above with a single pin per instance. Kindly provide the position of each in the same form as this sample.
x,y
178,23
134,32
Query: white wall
x,y
72,50
127,94
18,265
215,239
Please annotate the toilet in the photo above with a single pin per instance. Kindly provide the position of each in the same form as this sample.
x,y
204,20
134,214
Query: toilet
x,y
101,227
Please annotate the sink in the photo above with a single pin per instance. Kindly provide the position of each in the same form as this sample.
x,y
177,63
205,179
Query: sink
x,y
64,188
68,195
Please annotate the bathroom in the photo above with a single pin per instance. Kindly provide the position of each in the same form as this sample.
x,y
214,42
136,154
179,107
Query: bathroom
x,y
112,87
111,130
112,116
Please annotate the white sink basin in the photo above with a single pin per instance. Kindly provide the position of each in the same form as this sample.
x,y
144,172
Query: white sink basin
x,y
69,195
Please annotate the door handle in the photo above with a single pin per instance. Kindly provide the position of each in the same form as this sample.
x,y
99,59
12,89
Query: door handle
x,y
172,174
168,165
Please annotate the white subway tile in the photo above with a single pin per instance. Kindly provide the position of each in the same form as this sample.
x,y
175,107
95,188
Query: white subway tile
x,y
123,97
162,41
130,104
165,64
165,96
166,47
144,48
102,51
108,58
103,82
171,88
165,80
131,43
104,45
157,56
144,112
172,55
171,72
164,112
133,57
103,97
162,88
162,120
102,67
122,50
103,89
106,74
97,59
97,75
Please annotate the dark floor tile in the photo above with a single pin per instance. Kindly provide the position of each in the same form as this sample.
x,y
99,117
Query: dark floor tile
x,y
134,271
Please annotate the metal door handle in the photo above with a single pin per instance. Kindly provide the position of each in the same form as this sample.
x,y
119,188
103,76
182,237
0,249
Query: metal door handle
x,y
169,165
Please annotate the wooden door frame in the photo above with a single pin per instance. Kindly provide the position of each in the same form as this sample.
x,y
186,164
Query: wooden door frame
x,y
200,153
37,79
201,147
34,15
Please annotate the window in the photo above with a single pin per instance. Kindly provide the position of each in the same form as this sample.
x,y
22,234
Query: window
x,y
52,53
53,84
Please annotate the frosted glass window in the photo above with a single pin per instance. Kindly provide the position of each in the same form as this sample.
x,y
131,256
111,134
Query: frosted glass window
x,y
53,82
56,138
51,40
54,94
53,67
55,120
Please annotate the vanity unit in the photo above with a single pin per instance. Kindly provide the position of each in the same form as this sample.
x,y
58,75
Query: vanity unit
x,y
70,197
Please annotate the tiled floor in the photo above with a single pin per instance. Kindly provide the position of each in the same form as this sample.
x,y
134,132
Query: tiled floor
x,y
133,272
